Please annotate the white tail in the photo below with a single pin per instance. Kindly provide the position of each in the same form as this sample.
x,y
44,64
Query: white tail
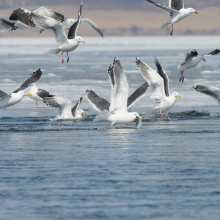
x,y
102,116
151,113
55,51
164,25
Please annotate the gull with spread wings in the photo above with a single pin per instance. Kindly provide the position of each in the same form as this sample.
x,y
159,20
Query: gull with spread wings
x,y
16,96
193,59
116,111
65,108
67,43
176,10
159,83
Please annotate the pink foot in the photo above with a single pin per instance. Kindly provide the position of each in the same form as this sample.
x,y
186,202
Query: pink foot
x,y
62,61
182,77
68,60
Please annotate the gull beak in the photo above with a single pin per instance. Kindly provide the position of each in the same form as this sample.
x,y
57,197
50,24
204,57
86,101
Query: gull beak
x,y
179,96
83,42
139,117
196,12
29,94
84,112
204,60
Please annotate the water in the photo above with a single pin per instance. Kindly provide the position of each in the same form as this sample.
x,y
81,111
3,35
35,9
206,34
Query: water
x,y
71,170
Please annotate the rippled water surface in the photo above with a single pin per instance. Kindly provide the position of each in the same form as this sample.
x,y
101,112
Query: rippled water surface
x,y
84,170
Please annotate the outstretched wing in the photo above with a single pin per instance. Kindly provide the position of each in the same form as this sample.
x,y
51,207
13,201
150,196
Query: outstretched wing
x,y
92,24
48,23
214,52
22,16
35,76
138,94
50,13
3,95
6,26
61,103
98,103
74,109
154,80
190,56
43,93
176,4
212,91
163,74
74,27
165,8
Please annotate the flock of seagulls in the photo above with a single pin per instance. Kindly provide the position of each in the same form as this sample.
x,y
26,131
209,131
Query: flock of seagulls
x,y
115,111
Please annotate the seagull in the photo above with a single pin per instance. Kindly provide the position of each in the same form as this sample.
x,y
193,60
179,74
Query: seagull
x,y
212,91
159,83
193,59
6,26
176,10
116,112
16,96
38,94
67,44
64,105
23,16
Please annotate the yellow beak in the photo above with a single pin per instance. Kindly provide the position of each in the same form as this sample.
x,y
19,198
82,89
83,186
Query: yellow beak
x,y
83,42
84,112
139,117
29,94
196,12
179,96
204,60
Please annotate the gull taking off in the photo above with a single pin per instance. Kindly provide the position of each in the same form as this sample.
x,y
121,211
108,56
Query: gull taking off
x,y
193,59
16,96
67,44
159,83
176,10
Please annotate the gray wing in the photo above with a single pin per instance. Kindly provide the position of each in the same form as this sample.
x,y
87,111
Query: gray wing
x,y
74,27
6,26
165,8
214,52
212,91
190,56
176,4
92,24
23,16
163,74
139,93
43,93
4,95
74,109
50,13
35,76
51,101
111,75
98,103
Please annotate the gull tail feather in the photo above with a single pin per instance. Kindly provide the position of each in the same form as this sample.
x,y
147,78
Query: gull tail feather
x,y
55,51
102,116
151,113
164,25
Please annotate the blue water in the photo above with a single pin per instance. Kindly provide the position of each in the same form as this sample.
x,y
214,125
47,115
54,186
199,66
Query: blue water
x,y
83,170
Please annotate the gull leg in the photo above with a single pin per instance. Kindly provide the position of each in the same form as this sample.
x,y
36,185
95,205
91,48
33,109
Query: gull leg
x,y
62,58
67,57
171,33
111,126
166,116
182,77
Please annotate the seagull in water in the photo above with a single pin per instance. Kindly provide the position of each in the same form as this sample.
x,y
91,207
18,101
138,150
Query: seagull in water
x,y
67,44
116,111
193,59
23,16
159,83
16,96
65,108
38,94
176,10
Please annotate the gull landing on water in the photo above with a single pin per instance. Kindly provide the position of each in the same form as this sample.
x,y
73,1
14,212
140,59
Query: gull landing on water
x,y
176,10
67,43
193,59
159,83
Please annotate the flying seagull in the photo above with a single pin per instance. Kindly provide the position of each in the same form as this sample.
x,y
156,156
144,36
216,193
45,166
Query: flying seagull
x,y
67,44
211,91
159,83
65,107
116,111
193,59
176,10
16,96
6,26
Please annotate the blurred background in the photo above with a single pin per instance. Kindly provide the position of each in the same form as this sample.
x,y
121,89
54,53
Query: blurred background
x,y
124,17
